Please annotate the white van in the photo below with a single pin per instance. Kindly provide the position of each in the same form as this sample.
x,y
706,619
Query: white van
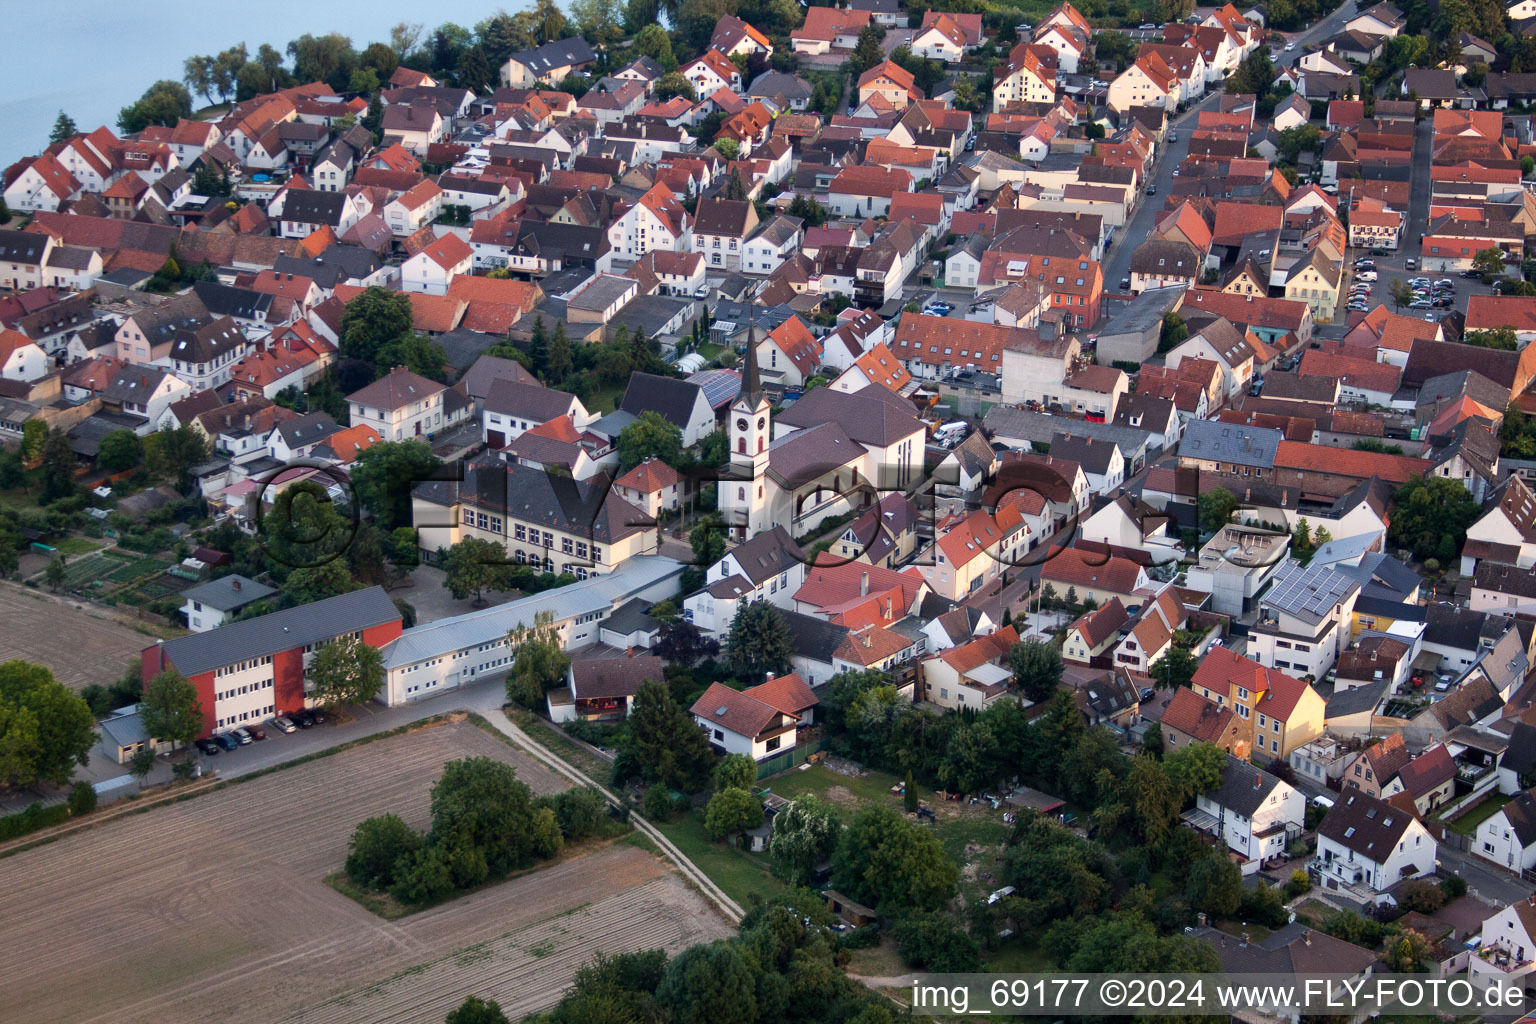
x,y
1325,802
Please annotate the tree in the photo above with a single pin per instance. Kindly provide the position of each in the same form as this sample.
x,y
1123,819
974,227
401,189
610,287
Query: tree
x,y
310,583
1174,331
650,436
867,52
1195,769
378,850
346,671
1304,138
1215,885
119,450
652,41
735,188
141,764
163,103
63,129
415,352
1216,508
969,761
59,465
1426,515
683,643
172,452
804,834
539,662
1409,952
171,710
808,210
1037,668
1489,261
474,1010
1503,338
710,984
932,942
1175,668
1401,292
34,437
673,84
909,802
885,861
735,771
760,643
657,802
45,728
666,744
53,573
732,811
478,804
472,565
82,796
328,58
383,475
376,317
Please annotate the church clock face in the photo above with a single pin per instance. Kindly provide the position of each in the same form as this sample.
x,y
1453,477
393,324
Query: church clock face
x,y
741,424
761,423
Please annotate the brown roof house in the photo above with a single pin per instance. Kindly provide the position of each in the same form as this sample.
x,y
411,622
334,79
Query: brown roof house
x,y
602,689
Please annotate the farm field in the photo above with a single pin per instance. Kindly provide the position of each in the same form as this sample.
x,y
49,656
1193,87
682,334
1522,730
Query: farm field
x,y
219,902
78,648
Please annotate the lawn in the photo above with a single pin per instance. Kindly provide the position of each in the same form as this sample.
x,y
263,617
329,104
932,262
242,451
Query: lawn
x,y
1467,824
77,545
1019,956
737,872
596,769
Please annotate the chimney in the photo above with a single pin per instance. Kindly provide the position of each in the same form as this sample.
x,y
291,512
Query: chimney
x,y
1200,919
1245,938
864,584
234,585
1306,937
1258,782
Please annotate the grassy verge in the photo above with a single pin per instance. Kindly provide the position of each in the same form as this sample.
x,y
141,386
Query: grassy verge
x,y
597,769
735,871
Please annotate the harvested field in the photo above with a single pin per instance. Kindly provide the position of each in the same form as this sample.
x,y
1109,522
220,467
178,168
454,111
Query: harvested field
x,y
219,902
79,649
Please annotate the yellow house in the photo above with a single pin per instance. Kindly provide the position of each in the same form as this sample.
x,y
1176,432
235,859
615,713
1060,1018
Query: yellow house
x,y
1277,712
1315,281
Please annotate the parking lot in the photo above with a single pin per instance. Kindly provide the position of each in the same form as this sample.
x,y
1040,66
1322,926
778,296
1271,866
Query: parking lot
x,y
1393,267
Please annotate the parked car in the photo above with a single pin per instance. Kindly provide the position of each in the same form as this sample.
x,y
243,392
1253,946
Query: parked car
x,y
1420,304
1471,273
1151,190
226,741
1147,693
302,719
1411,263
317,716
207,746
1444,303
1173,136
1365,275
282,723
1125,284
1289,47
255,731
1378,252
241,736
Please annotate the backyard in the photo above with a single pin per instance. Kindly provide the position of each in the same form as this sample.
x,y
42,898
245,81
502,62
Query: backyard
x,y
972,835
1467,824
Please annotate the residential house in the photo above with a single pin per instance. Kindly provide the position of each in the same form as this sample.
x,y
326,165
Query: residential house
x,y
1256,814
1368,844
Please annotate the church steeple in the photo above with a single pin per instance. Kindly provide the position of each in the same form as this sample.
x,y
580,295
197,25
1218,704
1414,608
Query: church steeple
x,y
751,381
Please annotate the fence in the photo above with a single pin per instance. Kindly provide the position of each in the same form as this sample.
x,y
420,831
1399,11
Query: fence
x,y
791,758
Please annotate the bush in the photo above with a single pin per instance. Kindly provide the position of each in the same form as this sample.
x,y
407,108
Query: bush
x,y
378,849
1425,897
657,803
580,812
82,799
1298,883
860,938
932,942
35,817
1263,904
1454,887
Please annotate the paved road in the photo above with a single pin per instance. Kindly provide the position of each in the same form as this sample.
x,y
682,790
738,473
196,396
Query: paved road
x,y
1484,880
1117,261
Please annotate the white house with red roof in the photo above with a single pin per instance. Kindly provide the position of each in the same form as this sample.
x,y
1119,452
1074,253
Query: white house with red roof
x,y
877,366
1066,31
973,675
433,269
733,36
21,358
737,722
789,356
710,72
652,485
42,184
829,28
970,551
656,222
1096,575
855,593
946,37
411,210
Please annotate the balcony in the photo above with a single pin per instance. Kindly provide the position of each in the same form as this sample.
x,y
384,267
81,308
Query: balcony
x,y
1501,958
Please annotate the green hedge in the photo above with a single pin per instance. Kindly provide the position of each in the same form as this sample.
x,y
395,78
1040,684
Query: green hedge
x,y
35,818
